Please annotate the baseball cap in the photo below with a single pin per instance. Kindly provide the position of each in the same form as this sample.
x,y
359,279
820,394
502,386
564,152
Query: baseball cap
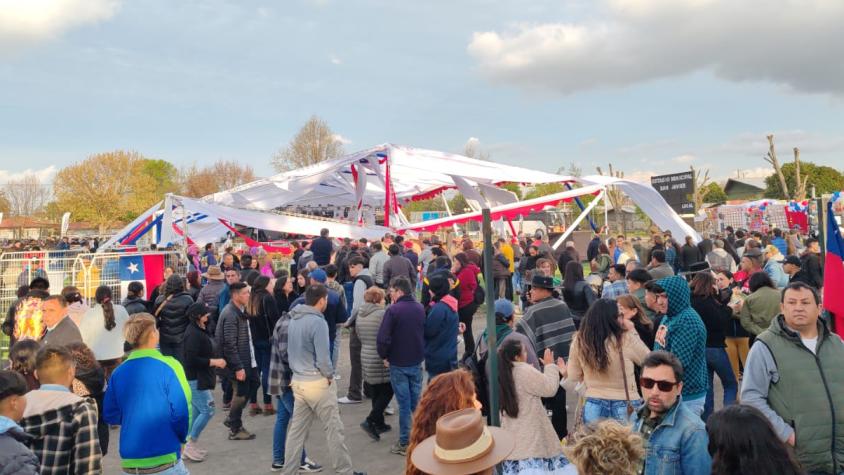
x,y
793,260
505,308
318,275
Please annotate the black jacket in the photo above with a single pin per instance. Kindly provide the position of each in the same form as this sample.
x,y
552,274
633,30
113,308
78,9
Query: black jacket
x,y
716,317
94,381
135,305
580,298
593,249
263,321
689,255
172,319
199,349
812,267
233,338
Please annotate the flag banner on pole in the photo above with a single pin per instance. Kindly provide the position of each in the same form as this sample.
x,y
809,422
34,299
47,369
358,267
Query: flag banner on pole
x,y
65,223
146,269
833,279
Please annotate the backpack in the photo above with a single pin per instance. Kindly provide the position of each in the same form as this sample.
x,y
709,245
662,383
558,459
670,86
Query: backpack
x,y
477,368
479,295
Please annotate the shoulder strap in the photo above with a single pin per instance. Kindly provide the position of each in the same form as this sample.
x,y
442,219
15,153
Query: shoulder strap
x,y
624,375
162,304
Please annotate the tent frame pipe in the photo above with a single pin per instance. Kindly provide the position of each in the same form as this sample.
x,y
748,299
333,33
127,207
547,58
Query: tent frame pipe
x,y
490,319
577,221
582,207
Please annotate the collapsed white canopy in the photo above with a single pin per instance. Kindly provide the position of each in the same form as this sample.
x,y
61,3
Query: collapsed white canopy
x,y
413,173
651,202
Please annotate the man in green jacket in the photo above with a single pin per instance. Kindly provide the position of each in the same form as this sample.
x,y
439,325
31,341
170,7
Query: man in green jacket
x,y
795,377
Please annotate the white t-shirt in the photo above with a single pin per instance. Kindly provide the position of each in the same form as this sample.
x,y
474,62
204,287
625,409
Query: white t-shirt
x,y
811,344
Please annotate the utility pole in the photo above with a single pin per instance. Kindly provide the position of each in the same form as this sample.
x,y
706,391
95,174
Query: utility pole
x,y
492,344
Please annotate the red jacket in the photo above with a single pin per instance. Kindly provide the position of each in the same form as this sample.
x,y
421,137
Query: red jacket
x,y
468,277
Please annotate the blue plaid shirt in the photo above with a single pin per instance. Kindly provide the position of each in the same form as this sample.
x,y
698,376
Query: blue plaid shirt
x,y
615,290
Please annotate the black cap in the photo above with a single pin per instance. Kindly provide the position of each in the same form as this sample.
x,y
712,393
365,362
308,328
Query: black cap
x,y
542,281
793,260
197,310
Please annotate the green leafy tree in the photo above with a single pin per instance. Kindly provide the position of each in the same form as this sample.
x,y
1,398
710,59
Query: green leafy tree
x,y
713,193
433,204
544,189
514,187
825,179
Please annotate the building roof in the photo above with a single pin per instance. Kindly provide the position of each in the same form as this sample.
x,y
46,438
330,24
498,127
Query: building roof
x,y
25,222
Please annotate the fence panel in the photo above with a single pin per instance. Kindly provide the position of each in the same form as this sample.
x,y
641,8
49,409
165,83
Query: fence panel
x,y
19,268
93,270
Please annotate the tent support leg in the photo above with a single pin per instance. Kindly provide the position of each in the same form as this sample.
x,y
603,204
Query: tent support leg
x,y
577,221
582,207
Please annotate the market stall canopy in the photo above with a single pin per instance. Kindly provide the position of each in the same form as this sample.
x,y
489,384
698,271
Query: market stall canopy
x,y
410,174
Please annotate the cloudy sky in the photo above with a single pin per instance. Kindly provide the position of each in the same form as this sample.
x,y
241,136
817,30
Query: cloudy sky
x,y
649,85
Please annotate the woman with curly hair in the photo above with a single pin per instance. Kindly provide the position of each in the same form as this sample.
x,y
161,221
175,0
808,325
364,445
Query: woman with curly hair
x,y
607,448
447,392
22,360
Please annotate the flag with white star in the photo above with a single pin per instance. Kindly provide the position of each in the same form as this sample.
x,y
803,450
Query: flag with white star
x,y
131,269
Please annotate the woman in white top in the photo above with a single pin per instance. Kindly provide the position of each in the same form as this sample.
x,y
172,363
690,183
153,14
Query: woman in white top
x,y
102,330
76,305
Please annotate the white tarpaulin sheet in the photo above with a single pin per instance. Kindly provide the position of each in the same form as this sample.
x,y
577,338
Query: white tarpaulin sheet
x,y
651,202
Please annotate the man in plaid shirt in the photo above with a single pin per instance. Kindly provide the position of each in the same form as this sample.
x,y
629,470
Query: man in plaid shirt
x,y
64,425
617,286
279,382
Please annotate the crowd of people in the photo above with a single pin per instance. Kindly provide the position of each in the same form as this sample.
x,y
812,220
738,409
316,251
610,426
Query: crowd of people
x,y
628,333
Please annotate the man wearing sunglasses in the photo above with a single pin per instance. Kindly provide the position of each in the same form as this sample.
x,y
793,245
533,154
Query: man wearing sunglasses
x,y
674,435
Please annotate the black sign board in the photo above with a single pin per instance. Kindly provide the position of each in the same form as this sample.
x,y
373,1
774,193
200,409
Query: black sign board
x,y
677,190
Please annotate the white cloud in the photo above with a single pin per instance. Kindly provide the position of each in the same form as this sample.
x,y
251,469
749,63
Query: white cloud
x,y
24,22
44,175
685,158
341,139
643,176
783,42
335,60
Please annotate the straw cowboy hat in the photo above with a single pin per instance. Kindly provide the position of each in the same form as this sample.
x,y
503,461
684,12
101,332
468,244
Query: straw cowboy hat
x,y
214,273
462,445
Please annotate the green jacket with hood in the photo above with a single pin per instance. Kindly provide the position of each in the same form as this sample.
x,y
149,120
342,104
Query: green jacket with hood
x,y
686,337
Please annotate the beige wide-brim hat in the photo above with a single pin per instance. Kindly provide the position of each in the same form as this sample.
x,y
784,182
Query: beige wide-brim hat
x,y
462,445
214,273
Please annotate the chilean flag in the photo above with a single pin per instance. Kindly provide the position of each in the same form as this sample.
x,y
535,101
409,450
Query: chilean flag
x,y
146,269
833,278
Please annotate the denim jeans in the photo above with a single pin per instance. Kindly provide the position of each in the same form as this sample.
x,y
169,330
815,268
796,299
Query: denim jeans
x,y
718,362
202,405
596,409
262,357
282,420
178,469
407,385
696,405
335,351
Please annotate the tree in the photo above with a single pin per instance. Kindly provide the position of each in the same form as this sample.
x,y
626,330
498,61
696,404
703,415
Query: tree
x,y
26,196
198,182
431,204
313,143
824,179
163,173
472,150
700,182
615,196
5,206
799,180
544,189
106,188
713,193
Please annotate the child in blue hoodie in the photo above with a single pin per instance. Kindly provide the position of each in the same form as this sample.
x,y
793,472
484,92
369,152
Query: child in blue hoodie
x,y
441,328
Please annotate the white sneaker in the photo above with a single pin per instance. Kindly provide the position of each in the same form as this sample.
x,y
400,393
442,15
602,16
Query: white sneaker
x,y
389,410
337,377
346,400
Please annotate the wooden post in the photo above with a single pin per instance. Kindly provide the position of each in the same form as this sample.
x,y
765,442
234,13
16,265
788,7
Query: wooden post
x,y
492,342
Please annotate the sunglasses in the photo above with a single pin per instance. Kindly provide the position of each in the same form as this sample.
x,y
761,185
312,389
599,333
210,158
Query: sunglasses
x,y
663,386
